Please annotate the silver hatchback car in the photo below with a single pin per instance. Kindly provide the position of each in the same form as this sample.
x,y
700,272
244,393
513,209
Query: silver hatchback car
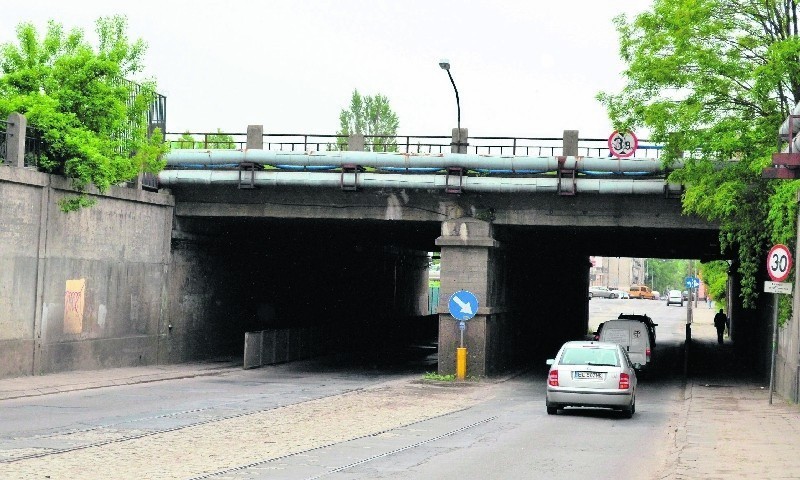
x,y
591,374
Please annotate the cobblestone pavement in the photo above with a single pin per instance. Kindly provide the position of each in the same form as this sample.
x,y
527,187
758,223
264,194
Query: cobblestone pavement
x,y
194,451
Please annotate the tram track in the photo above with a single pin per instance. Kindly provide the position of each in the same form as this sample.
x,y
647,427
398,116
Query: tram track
x,y
151,433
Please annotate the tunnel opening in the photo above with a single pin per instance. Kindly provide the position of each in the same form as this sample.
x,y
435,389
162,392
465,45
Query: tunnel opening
x,y
354,293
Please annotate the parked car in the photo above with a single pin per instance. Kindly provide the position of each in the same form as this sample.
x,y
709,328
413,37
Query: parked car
x,y
591,374
656,295
685,295
601,292
634,336
641,291
621,293
675,297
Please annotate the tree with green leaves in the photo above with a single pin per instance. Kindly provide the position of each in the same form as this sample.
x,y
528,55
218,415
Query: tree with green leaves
x,y
666,275
372,117
217,141
92,120
715,276
712,80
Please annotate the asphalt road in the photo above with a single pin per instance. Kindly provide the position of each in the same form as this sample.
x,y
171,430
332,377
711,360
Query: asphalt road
x,y
308,420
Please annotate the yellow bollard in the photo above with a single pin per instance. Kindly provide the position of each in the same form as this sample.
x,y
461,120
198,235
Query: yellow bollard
x,y
461,363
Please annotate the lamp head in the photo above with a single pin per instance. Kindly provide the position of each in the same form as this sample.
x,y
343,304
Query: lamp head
x,y
444,64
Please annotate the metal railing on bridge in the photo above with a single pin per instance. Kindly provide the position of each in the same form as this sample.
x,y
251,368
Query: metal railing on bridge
x,y
33,144
420,144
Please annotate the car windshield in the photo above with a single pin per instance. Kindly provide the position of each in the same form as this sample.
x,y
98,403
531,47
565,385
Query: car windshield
x,y
589,356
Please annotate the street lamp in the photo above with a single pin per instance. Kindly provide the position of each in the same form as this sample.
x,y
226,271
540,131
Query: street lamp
x,y
445,65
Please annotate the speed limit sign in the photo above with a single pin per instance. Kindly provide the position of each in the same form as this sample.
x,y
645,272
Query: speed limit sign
x,y
622,144
779,262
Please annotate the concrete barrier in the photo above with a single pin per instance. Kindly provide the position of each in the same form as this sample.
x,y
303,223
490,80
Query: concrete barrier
x,y
268,347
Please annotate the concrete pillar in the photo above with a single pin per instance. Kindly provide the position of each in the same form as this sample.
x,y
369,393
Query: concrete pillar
x,y
255,137
355,142
570,143
460,141
15,140
471,261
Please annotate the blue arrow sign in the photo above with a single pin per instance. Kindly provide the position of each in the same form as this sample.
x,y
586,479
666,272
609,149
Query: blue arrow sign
x,y
463,305
691,282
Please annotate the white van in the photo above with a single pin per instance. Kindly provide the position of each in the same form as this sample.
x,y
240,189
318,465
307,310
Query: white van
x,y
632,335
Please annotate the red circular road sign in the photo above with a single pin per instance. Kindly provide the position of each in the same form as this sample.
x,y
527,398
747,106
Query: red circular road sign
x,y
622,144
779,262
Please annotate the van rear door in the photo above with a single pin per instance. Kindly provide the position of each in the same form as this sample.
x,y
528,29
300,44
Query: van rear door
x,y
632,336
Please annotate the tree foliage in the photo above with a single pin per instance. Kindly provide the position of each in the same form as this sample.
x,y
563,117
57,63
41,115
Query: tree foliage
x,y
217,141
92,121
715,276
666,275
372,117
712,80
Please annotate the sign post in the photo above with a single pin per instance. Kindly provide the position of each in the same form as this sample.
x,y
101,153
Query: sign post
x,y
779,263
463,306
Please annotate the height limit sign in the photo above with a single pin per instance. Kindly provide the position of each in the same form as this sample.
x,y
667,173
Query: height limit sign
x,y
779,262
622,144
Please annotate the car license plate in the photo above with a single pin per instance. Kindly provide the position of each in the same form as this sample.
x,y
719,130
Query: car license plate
x,y
588,375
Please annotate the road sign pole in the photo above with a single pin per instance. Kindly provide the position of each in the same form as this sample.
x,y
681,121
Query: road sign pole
x,y
774,345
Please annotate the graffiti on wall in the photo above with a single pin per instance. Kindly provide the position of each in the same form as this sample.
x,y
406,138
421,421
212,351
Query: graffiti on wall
x,y
73,305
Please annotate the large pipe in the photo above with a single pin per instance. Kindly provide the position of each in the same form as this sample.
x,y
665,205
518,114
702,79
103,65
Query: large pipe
x,y
206,158
272,178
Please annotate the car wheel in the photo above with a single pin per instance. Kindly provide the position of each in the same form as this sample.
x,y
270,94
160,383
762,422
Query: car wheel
x,y
590,295
613,295
628,411
552,410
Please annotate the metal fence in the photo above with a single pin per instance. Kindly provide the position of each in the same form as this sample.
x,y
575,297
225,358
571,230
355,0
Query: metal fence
x,y
33,146
424,144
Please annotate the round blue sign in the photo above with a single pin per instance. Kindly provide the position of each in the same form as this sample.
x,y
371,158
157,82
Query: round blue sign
x,y
463,305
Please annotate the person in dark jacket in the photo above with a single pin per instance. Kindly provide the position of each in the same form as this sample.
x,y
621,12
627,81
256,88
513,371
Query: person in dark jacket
x,y
720,322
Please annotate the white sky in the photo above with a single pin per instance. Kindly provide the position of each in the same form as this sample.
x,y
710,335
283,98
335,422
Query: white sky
x,y
523,68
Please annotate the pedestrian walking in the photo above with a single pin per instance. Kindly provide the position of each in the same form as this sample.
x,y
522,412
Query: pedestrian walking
x,y
720,322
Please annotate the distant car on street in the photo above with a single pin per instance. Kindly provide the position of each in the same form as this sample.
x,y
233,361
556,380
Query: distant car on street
x,y
621,293
601,292
591,374
641,291
675,298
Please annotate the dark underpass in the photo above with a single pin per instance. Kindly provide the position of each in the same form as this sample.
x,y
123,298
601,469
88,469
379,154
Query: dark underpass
x,y
358,290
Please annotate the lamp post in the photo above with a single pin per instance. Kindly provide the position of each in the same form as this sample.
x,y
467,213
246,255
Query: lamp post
x,y
445,65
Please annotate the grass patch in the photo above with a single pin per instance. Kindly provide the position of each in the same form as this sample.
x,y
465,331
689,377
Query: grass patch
x,y
440,378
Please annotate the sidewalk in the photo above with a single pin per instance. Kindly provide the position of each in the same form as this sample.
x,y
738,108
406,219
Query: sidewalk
x,y
31,386
726,427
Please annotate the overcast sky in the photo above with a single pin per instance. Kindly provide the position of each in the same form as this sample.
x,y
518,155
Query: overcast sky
x,y
522,68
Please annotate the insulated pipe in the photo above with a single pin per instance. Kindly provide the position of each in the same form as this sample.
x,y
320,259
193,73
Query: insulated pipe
x,y
170,178
411,161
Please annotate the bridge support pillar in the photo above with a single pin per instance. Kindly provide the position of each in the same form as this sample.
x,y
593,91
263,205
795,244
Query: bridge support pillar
x,y
15,140
355,142
255,137
473,260
460,140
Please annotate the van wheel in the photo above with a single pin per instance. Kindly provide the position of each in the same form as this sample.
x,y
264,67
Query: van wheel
x,y
552,410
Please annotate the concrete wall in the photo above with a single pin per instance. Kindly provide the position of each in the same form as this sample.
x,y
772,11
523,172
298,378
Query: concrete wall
x,y
81,290
787,363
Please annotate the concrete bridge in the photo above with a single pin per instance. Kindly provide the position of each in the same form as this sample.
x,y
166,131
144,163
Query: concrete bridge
x,y
259,239
515,230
